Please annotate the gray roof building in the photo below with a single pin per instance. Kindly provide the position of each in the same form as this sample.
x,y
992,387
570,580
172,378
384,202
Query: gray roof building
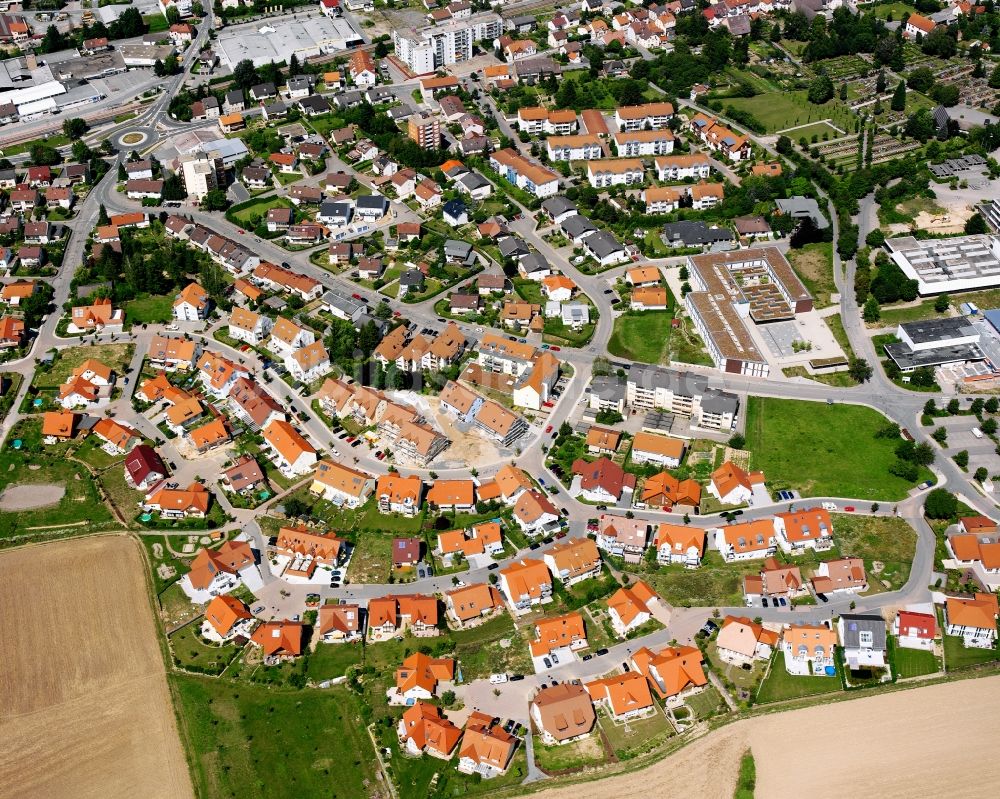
x,y
800,207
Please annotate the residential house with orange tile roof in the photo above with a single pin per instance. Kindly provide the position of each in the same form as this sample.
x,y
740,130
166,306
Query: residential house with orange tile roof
x,y
840,576
11,332
665,491
661,450
746,541
535,385
526,583
308,363
340,624
392,615
731,485
973,618
341,484
679,543
623,537
59,425
303,550
218,374
487,748
191,304
512,481
626,696
183,414
424,729
629,607
286,337
13,293
535,514
649,298
456,495
471,604
524,173
279,640
742,641
102,315
573,560
398,494
210,435
179,503
558,288
602,440
226,617
804,529
419,675
642,276
216,571
808,649
775,581
977,525
673,671
288,448
90,383
250,402
248,326
566,631
154,389
480,539
172,354
563,713
277,278
117,436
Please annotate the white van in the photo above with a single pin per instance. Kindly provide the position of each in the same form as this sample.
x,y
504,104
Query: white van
x,y
977,432
830,506
496,679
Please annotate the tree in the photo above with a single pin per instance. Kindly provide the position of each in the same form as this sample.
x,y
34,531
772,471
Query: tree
x,y
381,50
953,406
980,476
992,405
737,441
941,303
962,458
843,91
245,75
215,200
930,407
940,435
977,406
872,313
898,102
880,82
945,93
923,454
295,507
74,128
102,215
158,69
448,698
860,370
994,81
875,238
921,79
975,225
940,504
42,154
989,426
820,90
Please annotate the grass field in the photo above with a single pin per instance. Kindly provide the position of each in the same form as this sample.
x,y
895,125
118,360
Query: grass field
x,y
891,317
256,209
915,662
151,309
779,110
86,677
779,685
814,264
327,661
846,460
641,336
889,540
638,736
192,651
714,583
818,129
117,356
252,741
897,10
957,656
578,754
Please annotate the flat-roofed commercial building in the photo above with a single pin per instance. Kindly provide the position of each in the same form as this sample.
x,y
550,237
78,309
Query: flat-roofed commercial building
x,y
729,288
935,342
939,266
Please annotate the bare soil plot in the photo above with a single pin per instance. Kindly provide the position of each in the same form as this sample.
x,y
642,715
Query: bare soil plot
x,y
929,725
84,706
28,497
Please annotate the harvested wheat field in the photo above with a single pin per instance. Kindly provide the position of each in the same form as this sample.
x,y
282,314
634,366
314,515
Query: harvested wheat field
x,y
84,705
939,740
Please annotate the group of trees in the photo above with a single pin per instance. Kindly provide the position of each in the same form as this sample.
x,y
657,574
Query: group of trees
x,y
129,25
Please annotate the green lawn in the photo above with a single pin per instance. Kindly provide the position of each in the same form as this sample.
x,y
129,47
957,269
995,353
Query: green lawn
x,y
156,23
891,317
818,129
706,703
255,210
780,685
150,309
889,540
117,356
915,662
779,110
814,264
332,660
191,651
578,754
846,460
636,737
883,10
713,584
957,656
641,336
253,741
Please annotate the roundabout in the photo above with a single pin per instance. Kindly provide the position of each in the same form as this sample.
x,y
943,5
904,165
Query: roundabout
x,y
133,139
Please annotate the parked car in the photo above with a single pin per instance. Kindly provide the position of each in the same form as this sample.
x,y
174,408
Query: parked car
x,y
548,429
601,651
497,679
587,657
516,677
547,662
493,567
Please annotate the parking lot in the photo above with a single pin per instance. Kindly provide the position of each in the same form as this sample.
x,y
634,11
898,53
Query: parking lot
x,y
982,451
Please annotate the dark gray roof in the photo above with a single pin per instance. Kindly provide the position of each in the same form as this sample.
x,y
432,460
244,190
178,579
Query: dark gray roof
x,y
558,205
907,359
343,302
928,331
716,401
576,225
473,181
460,249
263,90
411,277
374,202
684,384
608,387
855,624
513,247
331,208
533,262
688,232
800,207
602,244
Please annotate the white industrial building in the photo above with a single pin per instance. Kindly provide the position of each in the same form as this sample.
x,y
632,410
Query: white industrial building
x,y
279,38
437,46
962,263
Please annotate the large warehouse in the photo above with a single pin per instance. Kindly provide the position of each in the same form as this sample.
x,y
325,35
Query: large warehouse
x,y
940,266
277,39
